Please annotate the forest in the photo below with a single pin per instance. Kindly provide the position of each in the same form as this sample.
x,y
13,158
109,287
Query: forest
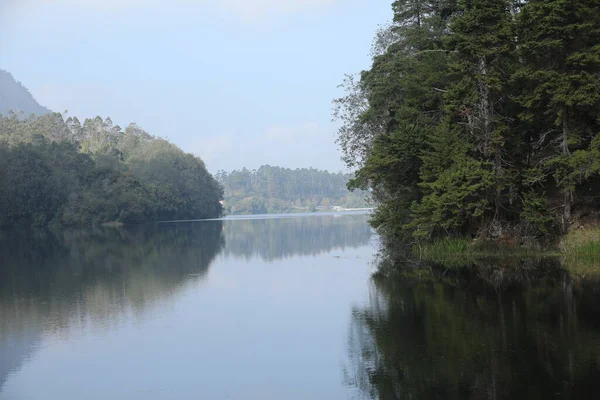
x,y
478,118
62,172
281,190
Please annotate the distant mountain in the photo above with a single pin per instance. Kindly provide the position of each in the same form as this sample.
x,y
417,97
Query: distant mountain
x,y
15,97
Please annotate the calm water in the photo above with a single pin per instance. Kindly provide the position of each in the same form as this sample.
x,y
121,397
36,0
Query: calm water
x,y
510,329
236,309
284,308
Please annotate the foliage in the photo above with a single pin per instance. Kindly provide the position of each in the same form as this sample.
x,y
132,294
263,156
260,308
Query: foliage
x,y
63,172
560,90
278,190
479,117
456,198
536,214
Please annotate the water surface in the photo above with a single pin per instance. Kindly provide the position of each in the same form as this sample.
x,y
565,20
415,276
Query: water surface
x,y
285,308
499,329
236,309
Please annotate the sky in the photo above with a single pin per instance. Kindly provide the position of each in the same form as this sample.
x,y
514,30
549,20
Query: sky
x,y
240,83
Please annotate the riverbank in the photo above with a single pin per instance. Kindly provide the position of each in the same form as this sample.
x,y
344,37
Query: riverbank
x,y
583,242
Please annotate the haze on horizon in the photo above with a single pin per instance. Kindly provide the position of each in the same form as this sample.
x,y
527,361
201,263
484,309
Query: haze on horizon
x,y
238,83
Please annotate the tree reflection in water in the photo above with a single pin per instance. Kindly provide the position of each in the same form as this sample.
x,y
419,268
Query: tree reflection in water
x,y
52,281
57,283
496,330
276,238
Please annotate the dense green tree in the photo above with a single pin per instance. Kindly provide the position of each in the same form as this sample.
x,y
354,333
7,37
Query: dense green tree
x,y
471,184
65,172
478,117
402,98
559,43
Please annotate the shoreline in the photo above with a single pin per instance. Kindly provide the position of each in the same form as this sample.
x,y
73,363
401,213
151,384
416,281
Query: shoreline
x,y
576,244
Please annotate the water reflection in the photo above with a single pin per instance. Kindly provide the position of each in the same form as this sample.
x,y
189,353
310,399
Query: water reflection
x,y
276,238
53,281
59,286
509,330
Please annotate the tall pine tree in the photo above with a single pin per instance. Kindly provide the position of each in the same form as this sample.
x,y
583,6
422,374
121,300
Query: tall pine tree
x,y
476,182
560,80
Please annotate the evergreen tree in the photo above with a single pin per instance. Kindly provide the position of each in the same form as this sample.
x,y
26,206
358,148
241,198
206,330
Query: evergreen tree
x,y
559,43
471,143
403,98
478,116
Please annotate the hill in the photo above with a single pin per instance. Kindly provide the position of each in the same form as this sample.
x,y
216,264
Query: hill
x,y
15,97
57,172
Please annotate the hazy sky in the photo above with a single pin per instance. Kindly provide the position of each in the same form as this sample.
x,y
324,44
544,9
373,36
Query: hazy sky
x,y
237,82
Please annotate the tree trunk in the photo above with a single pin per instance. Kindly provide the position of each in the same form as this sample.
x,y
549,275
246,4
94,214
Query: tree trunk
x,y
567,209
485,127
498,171
485,111
565,151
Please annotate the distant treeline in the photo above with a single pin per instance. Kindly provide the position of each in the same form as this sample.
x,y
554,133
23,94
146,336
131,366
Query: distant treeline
x,y
56,171
277,190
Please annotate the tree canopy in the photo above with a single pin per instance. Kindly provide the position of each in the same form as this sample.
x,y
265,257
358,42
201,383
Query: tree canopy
x,y
478,117
64,172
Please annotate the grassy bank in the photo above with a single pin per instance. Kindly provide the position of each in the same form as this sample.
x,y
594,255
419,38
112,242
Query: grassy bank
x,y
462,251
581,250
582,245
582,242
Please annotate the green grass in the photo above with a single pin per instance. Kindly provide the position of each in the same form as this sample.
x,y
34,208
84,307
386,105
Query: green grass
x,y
449,250
579,249
445,247
579,252
582,242
456,251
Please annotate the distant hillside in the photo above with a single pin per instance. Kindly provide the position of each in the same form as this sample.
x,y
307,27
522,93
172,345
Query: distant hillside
x,y
15,97
57,172
282,190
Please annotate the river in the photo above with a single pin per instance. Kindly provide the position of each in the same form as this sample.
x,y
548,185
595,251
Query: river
x,y
246,308
283,307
